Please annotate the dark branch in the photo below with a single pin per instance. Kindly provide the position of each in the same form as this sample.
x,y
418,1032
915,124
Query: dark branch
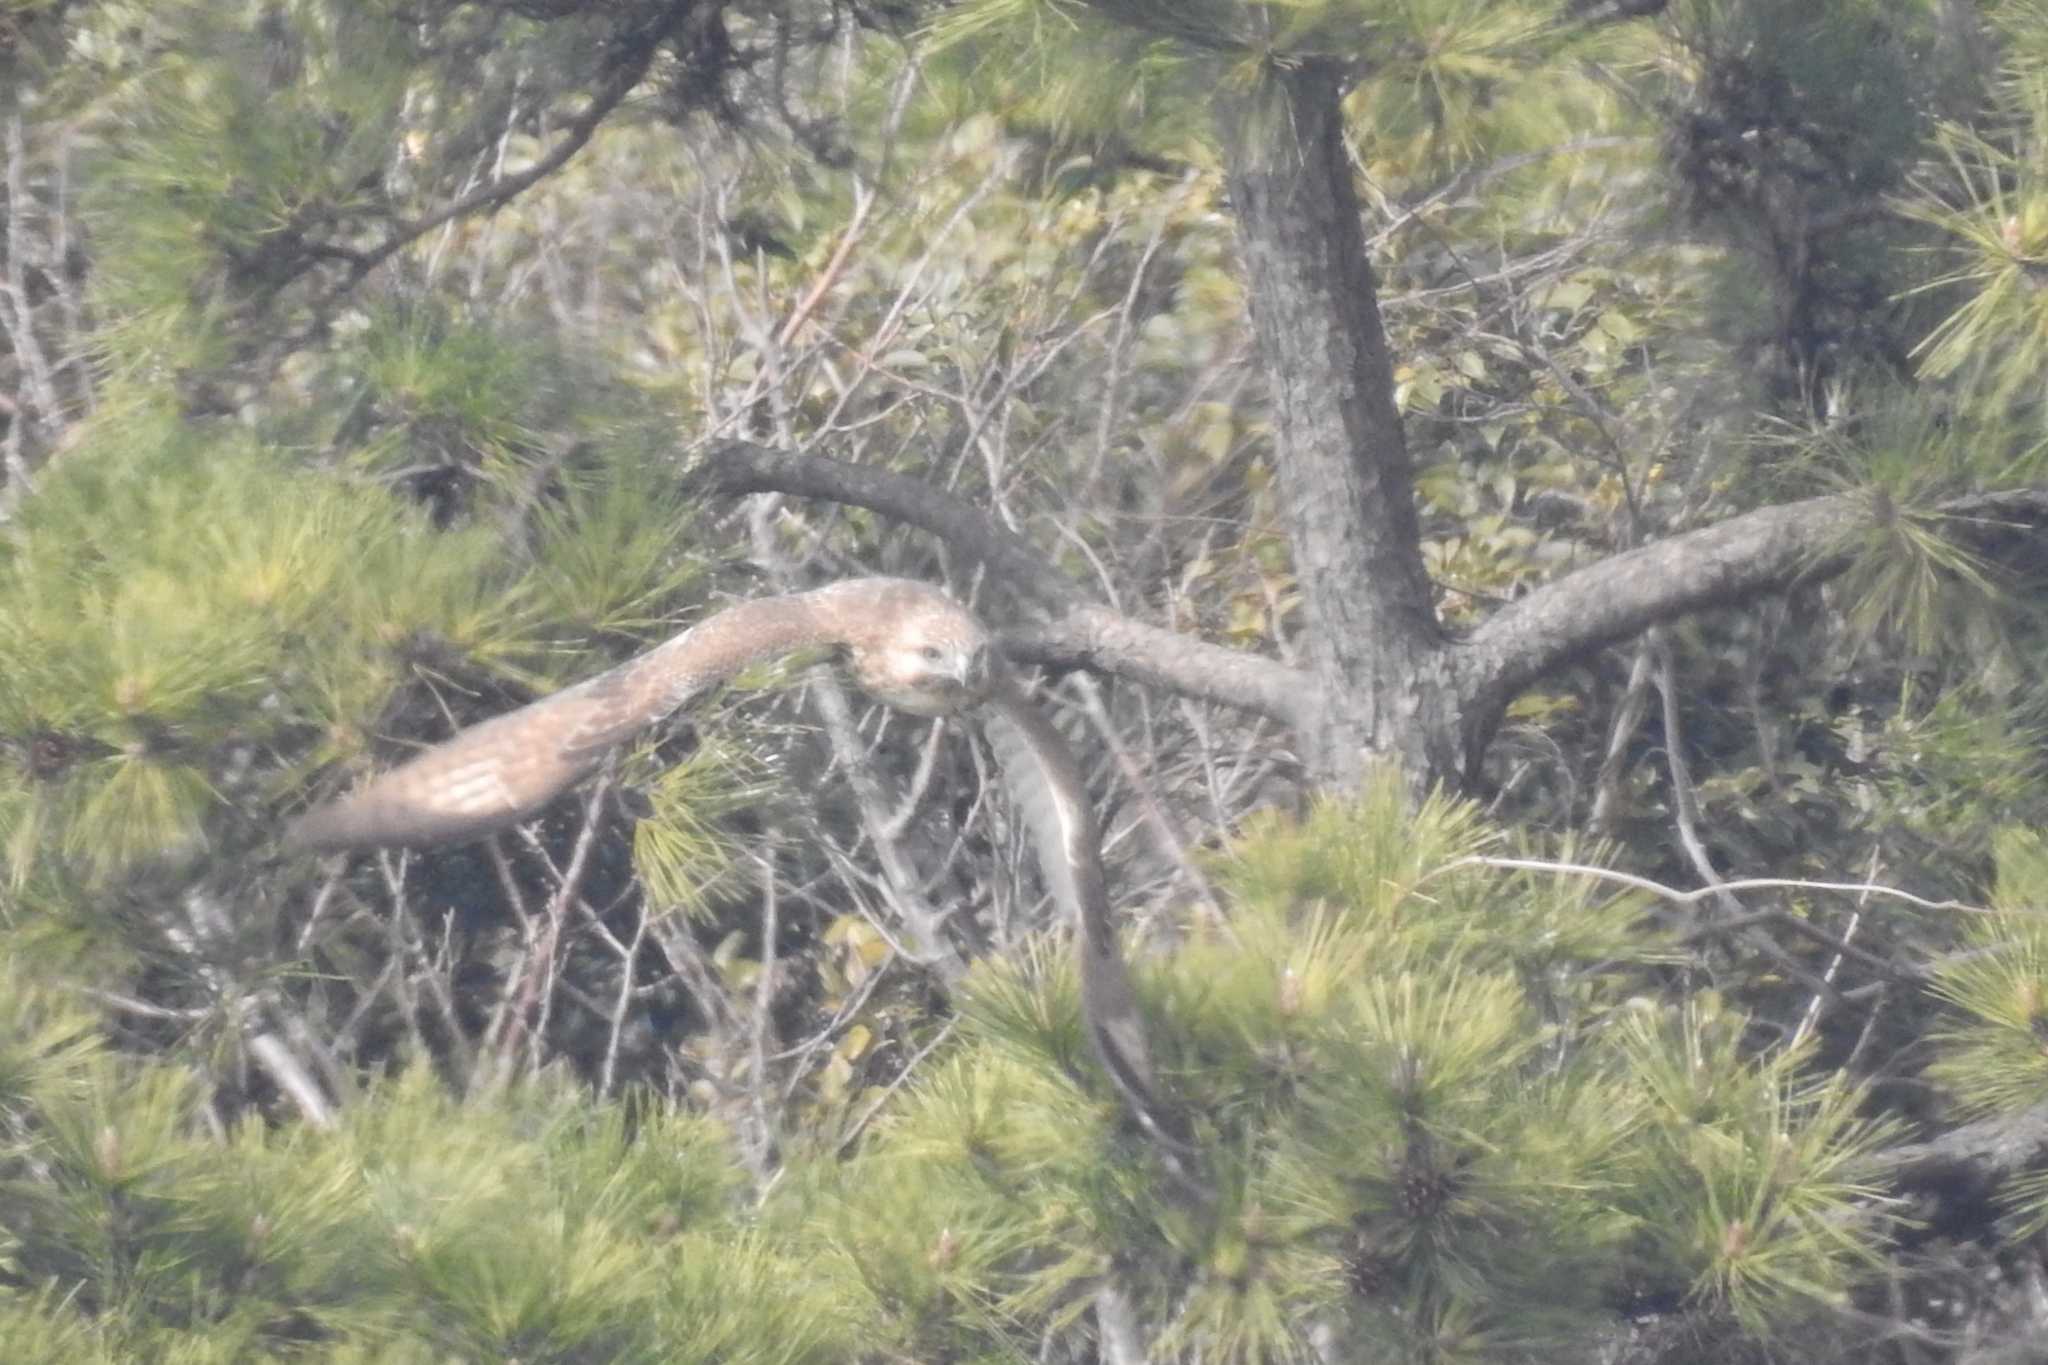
x,y
734,468
1101,641
1081,633
1983,1152
1732,561
501,191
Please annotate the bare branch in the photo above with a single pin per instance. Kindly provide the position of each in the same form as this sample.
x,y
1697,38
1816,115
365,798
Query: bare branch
x,y
1677,896
1081,633
1620,596
1731,561
1103,641
501,190
733,468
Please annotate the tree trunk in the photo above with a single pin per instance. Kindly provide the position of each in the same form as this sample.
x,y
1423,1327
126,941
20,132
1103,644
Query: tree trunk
x,y
1371,639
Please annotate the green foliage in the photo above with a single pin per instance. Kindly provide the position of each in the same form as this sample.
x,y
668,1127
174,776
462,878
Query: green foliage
x,y
1961,764
1910,578
150,599
458,394
1424,1126
243,143
1748,1168
162,587
1045,62
1376,861
1986,195
1992,1056
1142,71
1794,122
1455,90
680,849
609,558
527,1225
177,592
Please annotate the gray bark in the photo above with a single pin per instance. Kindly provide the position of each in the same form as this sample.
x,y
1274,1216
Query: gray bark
x,y
1372,640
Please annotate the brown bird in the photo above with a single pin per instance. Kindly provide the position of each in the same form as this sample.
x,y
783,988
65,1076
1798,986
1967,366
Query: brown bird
x,y
907,645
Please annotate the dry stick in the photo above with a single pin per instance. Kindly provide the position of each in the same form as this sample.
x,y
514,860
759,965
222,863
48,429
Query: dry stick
x,y
567,880
885,330
855,880
398,948
902,1078
920,785
1465,181
1677,896
284,1068
1812,1015
28,348
1116,1326
764,1003
386,981
1119,347
1673,895
325,894
505,188
403,947
56,253
141,1009
1687,811
1841,946
272,1057
504,1016
430,268
686,962
902,886
1155,811
1634,701
1585,402
841,254
847,1011
629,953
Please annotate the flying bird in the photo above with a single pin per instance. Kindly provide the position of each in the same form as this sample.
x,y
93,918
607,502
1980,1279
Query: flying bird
x,y
906,644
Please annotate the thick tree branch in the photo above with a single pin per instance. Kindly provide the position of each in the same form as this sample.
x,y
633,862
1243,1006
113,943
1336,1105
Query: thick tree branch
x,y
734,468
1979,1153
1080,632
1098,639
1623,595
1731,561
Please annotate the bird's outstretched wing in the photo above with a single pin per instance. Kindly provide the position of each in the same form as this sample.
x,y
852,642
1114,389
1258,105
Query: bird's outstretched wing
x,y
501,771
1044,783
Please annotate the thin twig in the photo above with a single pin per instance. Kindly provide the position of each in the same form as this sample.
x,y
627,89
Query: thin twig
x,y
1676,896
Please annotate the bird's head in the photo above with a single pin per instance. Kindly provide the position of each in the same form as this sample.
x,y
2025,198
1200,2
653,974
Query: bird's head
x,y
917,649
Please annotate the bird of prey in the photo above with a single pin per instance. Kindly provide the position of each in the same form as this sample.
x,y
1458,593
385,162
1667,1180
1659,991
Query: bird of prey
x,y
906,644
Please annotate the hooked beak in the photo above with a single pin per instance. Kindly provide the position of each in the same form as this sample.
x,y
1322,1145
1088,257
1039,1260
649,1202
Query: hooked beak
x,y
976,670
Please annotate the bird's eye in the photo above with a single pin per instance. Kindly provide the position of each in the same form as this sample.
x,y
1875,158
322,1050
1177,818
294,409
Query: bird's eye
x,y
932,653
